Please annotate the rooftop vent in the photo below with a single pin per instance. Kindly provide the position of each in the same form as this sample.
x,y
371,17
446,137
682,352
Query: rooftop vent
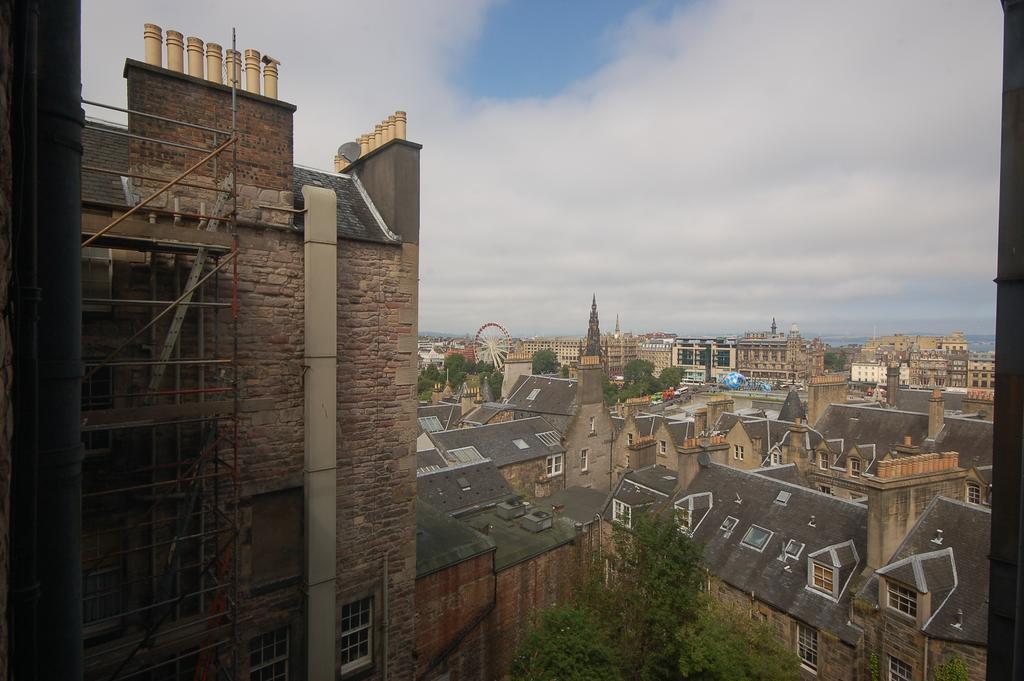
x,y
537,521
463,483
937,539
513,508
812,522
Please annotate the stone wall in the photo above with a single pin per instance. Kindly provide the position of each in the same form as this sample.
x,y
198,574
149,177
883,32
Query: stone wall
x,y
598,443
530,479
6,369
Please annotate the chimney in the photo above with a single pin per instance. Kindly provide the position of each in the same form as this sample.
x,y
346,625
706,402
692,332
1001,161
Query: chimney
x,y
364,145
390,128
214,63
716,408
936,413
400,125
152,40
175,51
252,71
392,179
234,59
700,421
270,76
892,384
822,391
194,46
589,389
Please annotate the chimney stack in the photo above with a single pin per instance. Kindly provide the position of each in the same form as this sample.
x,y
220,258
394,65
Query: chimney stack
x,y
892,384
194,46
175,51
252,71
152,40
214,63
936,413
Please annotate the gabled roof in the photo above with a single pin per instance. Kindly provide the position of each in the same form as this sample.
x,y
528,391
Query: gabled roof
x,y
447,414
815,520
544,395
769,433
497,441
792,408
644,487
483,414
858,425
104,150
358,218
952,566
461,489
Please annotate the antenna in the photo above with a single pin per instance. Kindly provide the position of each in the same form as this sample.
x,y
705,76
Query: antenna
x,y
349,151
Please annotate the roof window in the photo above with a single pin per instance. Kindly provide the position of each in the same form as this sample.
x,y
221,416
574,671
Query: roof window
x,y
793,549
468,454
783,498
757,537
520,443
431,424
463,483
533,395
549,437
729,524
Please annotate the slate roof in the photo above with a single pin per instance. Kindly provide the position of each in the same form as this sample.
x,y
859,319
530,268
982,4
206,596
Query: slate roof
x,y
651,485
857,425
916,399
104,150
955,572
447,414
792,408
495,441
554,396
461,489
429,459
647,424
485,412
839,526
783,473
442,541
358,219
769,432
579,504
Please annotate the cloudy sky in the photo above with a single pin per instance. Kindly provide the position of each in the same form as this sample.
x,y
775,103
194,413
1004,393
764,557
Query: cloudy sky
x,y
701,166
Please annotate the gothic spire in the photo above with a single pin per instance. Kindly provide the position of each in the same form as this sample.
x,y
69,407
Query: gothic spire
x,y
593,346
774,326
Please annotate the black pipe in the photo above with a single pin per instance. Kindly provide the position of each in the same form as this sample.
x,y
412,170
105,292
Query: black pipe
x,y
1006,589
60,328
23,312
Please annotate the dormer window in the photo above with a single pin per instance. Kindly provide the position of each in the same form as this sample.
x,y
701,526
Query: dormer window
x,y
622,512
738,452
973,493
823,461
662,447
685,519
776,458
855,467
823,577
728,525
901,599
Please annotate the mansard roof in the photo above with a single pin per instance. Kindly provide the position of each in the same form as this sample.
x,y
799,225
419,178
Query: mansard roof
x,y
952,566
820,523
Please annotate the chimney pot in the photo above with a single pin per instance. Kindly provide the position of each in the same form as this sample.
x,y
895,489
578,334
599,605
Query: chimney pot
x,y
194,46
175,51
270,77
252,71
390,134
152,41
234,58
400,125
214,63
364,145
907,440
378,135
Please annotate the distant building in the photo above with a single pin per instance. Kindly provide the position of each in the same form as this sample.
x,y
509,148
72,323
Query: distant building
x,y
657,351
619,349
779,358
874,372
981,370
704,359
566,348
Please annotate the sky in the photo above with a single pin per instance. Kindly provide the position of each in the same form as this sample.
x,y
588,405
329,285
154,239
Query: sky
x,y
701,166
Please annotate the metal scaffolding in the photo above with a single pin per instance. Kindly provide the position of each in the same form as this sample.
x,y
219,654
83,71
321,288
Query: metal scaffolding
x,y
160,408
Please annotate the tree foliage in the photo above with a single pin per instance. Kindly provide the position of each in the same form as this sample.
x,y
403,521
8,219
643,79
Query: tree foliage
x,y
671,377
545,362
724,644
566,644
952,669
835,361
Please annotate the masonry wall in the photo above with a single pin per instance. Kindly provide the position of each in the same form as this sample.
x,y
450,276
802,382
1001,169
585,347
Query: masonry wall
x,y
530,479
599,444
451,608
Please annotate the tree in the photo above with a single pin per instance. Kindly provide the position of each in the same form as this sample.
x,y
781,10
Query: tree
x,y
545,362
456,366
495,379
952,669
428,378
638,371
565,372
610,391
724,644
835,361
566,644
671,377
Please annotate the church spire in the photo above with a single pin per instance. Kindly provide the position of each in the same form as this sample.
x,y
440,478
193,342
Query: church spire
x,y
774,326
593,346
617,331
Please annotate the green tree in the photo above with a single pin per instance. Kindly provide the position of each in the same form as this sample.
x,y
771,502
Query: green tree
x,y
657,565
566,644
545,362
671,377
952,669
565,372
835,361
456,367
723,644
495,379
638,371
428,378
610,391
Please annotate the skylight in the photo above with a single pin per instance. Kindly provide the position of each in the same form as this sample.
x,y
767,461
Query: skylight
x,y
729,524
533,395
465,454
757,537
463,483
520,443
793,549
783,498
431,424
549,437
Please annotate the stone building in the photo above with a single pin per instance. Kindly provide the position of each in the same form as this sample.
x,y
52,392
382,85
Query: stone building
x,y
267,430
566,348
657,351
620,349
981,371
779,358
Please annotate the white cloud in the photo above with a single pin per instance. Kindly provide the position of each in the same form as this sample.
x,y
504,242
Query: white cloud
x,y
834,164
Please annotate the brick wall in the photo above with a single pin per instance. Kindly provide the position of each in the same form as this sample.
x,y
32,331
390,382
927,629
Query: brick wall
x,y
6,418
448,602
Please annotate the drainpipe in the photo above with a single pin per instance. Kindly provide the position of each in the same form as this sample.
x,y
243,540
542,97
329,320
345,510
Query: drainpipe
x,y
1006,589
59,144
23,639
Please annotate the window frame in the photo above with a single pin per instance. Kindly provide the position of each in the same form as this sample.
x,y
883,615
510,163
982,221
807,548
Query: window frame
x,y
822,461
728,527
585,459
823,578
364,661
265,664
896,674
896,594
738,452
755,547
593,425
622,512
855,467
554,465
975,488
810,662
662,447
629,439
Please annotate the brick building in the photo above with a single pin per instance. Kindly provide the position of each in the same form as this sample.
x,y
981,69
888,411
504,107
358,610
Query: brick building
x,y
250,460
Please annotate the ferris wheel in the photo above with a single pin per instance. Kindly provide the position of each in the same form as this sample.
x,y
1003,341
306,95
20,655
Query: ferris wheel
x,y
493,343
